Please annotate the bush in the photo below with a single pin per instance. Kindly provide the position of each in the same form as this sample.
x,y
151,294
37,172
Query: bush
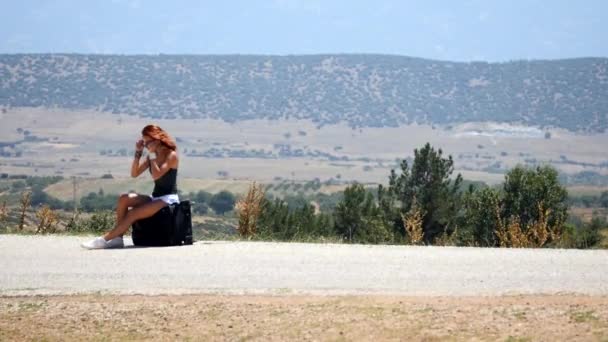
x,y
358,219
512,233
584,236
222,202
200,208
479,220
47,220
589,235
412,222
249,209
525,189
278,221
99,222
18,186
529,211
98,201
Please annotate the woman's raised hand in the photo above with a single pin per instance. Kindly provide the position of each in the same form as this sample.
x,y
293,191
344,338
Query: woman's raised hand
x,y
139,145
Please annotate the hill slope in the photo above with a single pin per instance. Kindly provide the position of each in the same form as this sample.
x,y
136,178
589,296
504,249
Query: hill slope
x,y
363,90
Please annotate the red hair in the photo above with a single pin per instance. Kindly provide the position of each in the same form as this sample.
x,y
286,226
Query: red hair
x,y
155,132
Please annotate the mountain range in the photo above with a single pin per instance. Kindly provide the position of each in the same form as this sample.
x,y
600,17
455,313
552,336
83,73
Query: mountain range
x,y
362,90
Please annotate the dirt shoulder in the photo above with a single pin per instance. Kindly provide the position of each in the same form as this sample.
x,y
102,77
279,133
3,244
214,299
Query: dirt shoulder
x,y
247,317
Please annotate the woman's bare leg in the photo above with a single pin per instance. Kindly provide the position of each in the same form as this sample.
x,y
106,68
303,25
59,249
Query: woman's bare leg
x,y
129,200
138,213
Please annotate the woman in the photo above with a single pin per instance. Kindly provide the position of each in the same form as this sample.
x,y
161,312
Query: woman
x,y
163,169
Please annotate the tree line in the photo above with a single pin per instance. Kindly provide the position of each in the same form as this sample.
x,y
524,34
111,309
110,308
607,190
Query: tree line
x,y
203,202
424,204
421,204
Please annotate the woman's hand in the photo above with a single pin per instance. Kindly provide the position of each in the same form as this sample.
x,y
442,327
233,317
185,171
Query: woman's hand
x,y
139,145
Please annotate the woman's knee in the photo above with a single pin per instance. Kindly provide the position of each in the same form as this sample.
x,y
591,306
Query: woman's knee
x,y
128,198
123,200
140,213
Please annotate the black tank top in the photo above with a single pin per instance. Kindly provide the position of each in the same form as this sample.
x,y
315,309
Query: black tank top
x,y
166,185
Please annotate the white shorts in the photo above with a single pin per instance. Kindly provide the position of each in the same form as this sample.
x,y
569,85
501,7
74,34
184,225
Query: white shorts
x,y
169,199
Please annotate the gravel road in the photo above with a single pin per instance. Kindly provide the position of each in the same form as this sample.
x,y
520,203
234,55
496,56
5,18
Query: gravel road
x,y
41,265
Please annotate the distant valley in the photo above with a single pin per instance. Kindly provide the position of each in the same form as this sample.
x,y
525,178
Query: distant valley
x,y
333,118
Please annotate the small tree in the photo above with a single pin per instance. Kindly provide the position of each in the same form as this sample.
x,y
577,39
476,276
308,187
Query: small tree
x,y
589,235
274,220
479,219
200,208
203,196
222,202
428,181
525,190
357,218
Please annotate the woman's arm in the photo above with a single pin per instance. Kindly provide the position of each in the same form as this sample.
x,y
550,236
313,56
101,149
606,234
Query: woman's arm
x,y
158,171
136,168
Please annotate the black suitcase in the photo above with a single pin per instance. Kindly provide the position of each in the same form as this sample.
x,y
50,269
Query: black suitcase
x,y
170,226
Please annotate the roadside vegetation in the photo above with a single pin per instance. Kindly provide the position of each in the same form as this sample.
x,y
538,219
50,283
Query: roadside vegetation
x,y
422,203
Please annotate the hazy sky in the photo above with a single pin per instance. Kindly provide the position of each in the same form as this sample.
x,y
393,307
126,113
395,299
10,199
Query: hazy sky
x,y
448,30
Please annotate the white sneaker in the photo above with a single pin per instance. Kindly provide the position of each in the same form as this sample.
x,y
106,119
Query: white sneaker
x,y
97,243
116,242
101,243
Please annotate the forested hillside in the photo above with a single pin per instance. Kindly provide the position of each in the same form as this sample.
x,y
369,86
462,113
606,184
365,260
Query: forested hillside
x,y
363,90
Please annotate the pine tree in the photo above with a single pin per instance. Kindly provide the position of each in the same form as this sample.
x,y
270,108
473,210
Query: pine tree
x,y
428,181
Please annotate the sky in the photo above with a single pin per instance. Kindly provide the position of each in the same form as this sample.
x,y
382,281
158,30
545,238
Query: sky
x,y
457,30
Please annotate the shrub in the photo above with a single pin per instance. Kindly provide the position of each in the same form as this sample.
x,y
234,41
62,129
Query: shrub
x,y
479,218
375,230
525,189
350,211
200,208
535,235
100,221
96,201
589,235
249,209
447,239
412,222
25,203
280,221
47,220
222,202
